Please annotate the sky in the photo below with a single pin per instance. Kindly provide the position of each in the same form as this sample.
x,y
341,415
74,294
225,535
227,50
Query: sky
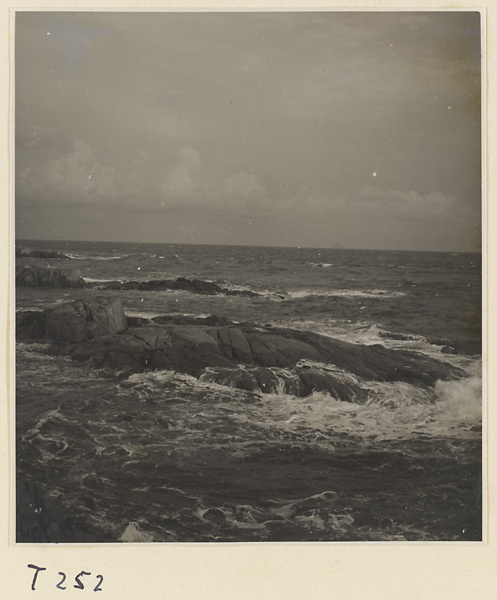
x,y
317,129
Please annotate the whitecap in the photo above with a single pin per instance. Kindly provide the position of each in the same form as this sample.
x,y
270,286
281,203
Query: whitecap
x,y
343,293
133,534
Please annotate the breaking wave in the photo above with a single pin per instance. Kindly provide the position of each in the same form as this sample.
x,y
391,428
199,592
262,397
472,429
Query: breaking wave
x,y
344,293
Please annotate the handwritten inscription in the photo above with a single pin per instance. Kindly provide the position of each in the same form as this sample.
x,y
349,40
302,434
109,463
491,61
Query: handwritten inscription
x,y
83,580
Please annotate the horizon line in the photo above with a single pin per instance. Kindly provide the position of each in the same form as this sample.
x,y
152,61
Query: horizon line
x,y
338,247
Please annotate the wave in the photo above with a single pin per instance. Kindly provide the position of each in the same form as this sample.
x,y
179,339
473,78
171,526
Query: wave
x,y
133,534
93,280
343,293
322,265
369,333
146,314
102,258
360,332
392,409
204,462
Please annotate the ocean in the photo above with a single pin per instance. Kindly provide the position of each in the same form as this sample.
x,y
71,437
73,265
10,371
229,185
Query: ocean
x,y
164,456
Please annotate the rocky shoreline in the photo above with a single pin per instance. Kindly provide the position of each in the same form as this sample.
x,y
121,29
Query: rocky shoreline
x,y
52,277
242,355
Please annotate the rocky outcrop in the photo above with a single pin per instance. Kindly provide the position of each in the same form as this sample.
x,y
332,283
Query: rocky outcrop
x,y
340,386
73,321
195,286
22,252
48,277
29,276
299,382
242,355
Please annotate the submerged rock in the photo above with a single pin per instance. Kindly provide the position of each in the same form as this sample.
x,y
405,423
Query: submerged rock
x,y
342,388
48,277
237,378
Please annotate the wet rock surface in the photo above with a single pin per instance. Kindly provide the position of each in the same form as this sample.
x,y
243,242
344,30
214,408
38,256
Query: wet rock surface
x,y
73,321
50,277
239,355
195,286
23,252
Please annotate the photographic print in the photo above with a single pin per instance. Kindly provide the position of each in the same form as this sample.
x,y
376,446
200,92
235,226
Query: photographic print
x,y
248,276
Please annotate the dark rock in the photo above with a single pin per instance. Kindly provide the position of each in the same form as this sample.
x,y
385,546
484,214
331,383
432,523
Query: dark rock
x,y
214,514
190,348
137,321
237,378
73,321
447,350
28,253
195,286
215,321
239,346
48,277
320,380
268,381
30,325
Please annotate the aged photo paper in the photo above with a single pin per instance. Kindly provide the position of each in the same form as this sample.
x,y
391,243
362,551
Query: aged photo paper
x,y
248,300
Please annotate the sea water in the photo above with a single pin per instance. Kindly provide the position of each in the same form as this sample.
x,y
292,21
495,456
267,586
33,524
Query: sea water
x,y
164,457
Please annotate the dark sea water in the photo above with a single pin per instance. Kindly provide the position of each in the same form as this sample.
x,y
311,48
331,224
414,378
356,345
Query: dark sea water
x,y
161,456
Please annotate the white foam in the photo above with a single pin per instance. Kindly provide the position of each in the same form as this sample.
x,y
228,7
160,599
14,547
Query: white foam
x,y
460,400
323,265
133,534
343,293
104,258
92,280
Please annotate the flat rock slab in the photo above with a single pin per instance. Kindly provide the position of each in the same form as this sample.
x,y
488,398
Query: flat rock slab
x,y
242,355
192,348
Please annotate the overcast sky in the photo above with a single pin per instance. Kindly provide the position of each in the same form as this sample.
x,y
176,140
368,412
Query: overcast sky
x,y
289,129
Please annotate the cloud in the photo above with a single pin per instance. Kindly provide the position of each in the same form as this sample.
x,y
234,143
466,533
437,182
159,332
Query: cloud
x,y
193,182
183,178
369,203
400,205
282,115
80,177
244,186
76,178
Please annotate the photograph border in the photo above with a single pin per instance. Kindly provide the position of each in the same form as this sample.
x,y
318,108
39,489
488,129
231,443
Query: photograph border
x,y
247,569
